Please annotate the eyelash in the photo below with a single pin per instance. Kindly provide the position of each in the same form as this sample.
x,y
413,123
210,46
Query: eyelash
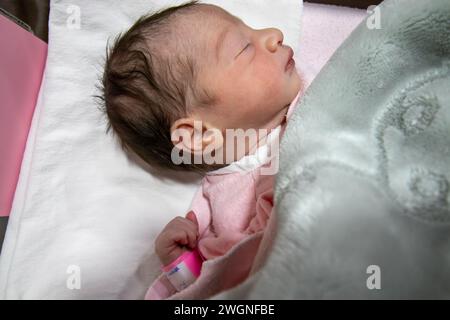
x,y
246,47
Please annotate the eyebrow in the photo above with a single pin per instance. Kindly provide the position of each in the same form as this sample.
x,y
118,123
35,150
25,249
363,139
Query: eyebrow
x,y
220,42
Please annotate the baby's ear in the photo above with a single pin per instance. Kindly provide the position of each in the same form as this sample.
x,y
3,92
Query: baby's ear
x,y
184,136
195,136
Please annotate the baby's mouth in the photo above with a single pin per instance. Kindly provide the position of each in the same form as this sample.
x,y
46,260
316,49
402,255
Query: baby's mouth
x,y
290,61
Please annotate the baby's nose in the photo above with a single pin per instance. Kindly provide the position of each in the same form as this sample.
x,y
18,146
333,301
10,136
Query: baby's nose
x,y
274,39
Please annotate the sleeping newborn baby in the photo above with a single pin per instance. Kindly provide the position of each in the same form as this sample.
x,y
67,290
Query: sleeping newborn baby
x,y
175,85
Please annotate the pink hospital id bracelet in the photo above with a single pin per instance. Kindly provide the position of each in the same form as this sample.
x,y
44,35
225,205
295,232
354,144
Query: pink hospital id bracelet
x,y
184,270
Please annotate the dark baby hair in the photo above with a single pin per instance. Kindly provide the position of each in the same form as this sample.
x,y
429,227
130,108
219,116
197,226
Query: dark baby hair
x,y
147,85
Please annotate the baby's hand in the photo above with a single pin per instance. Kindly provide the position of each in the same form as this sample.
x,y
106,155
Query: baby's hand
x,y
179,235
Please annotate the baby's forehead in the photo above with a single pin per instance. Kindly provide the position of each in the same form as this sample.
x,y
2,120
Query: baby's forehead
x,y
197,32
203,26
214,11
210,18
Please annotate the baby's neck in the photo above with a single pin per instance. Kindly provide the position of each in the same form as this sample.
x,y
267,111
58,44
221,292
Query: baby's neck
x,y
278,121
250,140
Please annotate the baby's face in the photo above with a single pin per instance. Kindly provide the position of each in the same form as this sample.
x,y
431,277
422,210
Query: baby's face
x,y
248,71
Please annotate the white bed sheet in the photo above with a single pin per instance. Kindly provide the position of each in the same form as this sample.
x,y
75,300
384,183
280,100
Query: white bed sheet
x,y
81,204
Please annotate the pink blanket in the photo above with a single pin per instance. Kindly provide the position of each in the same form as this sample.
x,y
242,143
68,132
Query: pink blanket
x,y
22,61
324,28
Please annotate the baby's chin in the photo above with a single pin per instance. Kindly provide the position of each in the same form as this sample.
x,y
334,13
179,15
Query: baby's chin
x,y
294,87
295,84
279,118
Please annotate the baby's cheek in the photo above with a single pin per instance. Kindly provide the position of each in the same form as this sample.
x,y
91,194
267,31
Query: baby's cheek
x,y
270,83
263,69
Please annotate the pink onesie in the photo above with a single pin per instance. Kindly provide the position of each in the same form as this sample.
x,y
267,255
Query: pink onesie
x,y
232,206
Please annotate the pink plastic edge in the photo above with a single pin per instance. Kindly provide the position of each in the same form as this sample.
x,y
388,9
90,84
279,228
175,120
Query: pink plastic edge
x,y
192,259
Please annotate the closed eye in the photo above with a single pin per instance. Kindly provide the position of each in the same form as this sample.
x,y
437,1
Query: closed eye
x,y
245,48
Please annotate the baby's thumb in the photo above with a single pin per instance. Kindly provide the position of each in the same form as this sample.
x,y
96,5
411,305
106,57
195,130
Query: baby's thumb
x,y
191,216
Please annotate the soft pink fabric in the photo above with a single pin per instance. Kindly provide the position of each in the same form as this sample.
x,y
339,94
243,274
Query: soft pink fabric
x,y
324,28
240,206
230,207
22,61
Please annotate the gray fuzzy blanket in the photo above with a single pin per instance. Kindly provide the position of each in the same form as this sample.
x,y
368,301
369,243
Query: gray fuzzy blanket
x,y
362,196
